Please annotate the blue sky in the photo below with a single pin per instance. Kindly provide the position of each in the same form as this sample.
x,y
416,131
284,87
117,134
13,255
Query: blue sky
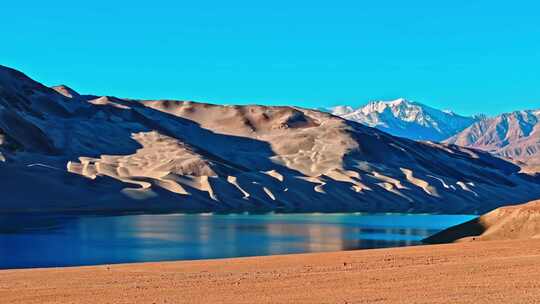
x,y
469,56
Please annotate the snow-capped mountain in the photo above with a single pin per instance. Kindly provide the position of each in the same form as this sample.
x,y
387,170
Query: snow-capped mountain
x,y
513,135
408,119
341,110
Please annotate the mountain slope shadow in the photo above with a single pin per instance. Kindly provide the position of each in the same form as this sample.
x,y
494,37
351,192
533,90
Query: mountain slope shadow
x,y
164,155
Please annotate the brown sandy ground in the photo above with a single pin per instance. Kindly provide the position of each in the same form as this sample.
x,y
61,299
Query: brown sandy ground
x,y
478,272
505,223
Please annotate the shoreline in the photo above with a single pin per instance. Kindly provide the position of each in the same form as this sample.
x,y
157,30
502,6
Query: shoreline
x,y
39,268
472,272
278,234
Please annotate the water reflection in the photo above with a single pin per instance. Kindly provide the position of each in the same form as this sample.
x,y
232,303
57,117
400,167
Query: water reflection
x,y
44,241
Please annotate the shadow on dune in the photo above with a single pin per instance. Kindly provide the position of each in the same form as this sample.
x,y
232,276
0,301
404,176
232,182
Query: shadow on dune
x,y
471,228
53,129
91,131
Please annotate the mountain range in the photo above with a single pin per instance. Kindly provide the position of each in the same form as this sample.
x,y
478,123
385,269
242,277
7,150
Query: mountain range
x,y
408,119
65,151
515,135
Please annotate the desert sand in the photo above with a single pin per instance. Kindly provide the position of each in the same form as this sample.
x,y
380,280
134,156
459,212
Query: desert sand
x,y
505,223
478,272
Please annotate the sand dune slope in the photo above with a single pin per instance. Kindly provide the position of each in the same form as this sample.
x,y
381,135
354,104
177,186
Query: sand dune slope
x,y
104,153
505,223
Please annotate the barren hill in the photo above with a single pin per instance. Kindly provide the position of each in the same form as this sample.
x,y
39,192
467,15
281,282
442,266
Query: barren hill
x,y
505,223
65,151
513,135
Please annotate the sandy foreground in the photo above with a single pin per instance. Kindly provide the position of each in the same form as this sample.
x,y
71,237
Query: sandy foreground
x,y
476,272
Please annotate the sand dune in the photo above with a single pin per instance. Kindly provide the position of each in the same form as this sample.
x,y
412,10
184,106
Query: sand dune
x,y
164,155
505,223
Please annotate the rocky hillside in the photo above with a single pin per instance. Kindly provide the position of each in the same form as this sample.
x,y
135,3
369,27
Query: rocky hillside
x,y
65,151
513,135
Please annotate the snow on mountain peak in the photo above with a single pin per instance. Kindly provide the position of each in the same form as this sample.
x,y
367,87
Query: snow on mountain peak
x,y
449,112
341,110
402,117
397,102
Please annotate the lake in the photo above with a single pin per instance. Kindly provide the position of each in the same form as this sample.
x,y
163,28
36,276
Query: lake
x,y
59,240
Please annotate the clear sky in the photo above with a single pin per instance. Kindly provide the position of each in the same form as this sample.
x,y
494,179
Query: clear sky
x,y
465,55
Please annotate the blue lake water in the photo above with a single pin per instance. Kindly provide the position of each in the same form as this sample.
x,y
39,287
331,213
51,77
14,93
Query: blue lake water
x,y
46,241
